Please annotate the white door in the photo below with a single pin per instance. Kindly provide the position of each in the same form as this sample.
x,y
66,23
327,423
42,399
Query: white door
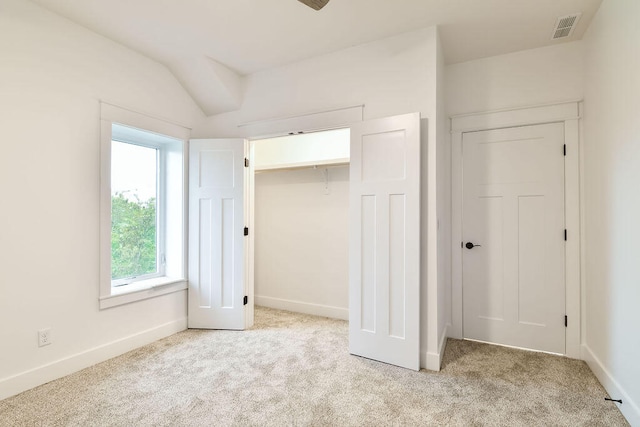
x,y
217,242
513,231
384,242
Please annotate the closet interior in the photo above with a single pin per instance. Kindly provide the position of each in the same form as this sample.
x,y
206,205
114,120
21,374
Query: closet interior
x,y
301,212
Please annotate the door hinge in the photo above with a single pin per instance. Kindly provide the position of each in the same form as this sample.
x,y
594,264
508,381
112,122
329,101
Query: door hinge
x,y
246,300
565,234
246,231
566,321
564,150
246,162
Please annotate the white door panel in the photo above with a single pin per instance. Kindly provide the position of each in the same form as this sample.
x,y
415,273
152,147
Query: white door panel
x,y
513,206
216,234
384,283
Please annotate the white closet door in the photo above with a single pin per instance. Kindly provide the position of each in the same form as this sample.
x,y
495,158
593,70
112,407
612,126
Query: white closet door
x,y
216,233
384,243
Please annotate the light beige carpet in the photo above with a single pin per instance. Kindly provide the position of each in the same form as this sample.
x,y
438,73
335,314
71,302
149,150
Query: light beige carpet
x,y
294,369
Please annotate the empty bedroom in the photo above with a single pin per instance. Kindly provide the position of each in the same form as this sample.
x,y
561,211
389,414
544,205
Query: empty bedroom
x,y
319,212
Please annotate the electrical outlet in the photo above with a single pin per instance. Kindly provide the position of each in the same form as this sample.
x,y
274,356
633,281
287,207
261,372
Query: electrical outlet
x,y
44,337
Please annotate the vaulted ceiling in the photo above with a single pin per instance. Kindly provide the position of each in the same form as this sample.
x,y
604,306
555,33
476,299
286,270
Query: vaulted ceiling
x,y
211,45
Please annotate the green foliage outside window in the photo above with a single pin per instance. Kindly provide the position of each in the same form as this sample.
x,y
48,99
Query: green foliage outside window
x,y
133,237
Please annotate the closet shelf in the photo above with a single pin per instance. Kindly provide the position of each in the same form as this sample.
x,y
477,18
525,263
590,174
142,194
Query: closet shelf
x,y
303,165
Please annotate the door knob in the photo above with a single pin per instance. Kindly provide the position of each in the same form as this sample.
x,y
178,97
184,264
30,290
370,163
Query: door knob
x,y
470,245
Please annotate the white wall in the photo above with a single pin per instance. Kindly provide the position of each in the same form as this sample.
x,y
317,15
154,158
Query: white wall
x,y
392,76
52,75
612,201
530,77
436,194
302,241
443,189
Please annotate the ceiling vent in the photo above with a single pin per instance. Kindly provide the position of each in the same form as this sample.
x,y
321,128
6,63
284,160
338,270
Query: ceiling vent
x,y
565,26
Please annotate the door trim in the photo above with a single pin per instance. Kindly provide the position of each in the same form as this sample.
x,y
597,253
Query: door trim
x,y
568,113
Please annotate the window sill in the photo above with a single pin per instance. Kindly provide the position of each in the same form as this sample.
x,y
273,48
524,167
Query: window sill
x,y
142,290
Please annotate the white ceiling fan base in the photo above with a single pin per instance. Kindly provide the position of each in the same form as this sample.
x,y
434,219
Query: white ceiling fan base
x,y
315,4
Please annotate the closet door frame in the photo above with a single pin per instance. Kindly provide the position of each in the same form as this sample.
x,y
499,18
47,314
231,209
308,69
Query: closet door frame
x,y
339,118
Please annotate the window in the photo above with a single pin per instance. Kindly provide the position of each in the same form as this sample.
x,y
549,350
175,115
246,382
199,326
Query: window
x,y
136,247
142,208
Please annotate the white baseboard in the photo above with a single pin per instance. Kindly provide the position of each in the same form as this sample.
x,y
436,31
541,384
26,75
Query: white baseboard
x,y
303,307
434,360
629,408
43,374
443,342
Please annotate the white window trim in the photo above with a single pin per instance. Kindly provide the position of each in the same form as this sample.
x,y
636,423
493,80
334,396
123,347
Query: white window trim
x,y
175,278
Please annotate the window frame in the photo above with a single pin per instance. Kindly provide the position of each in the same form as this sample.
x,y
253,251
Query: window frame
x,y
171,142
